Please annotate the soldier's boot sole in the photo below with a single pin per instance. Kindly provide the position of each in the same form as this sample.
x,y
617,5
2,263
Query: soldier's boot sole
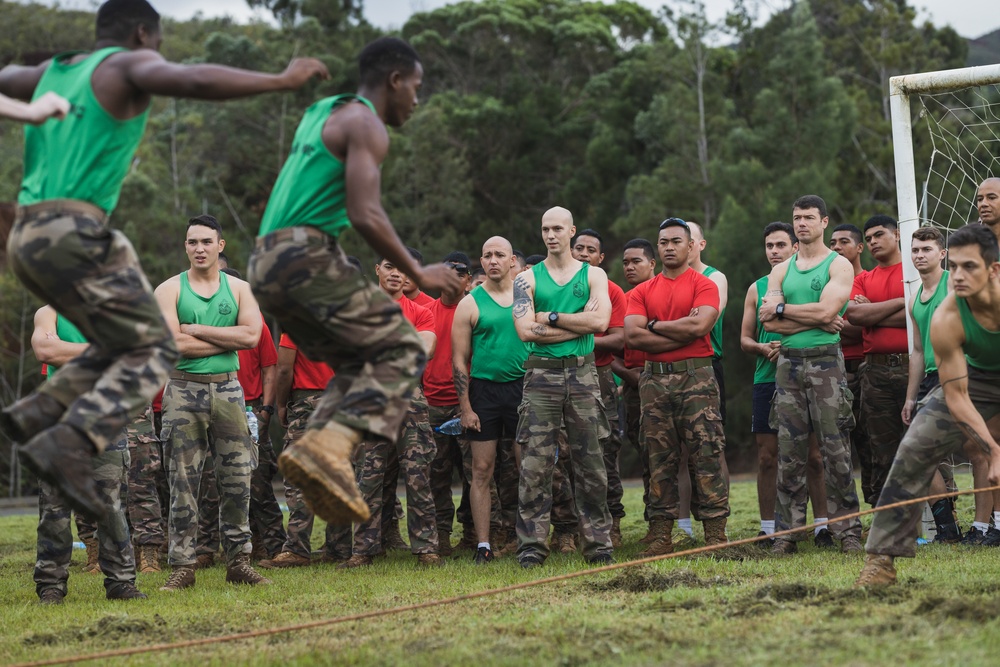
x,y
877,571
62,456
320,466
30,416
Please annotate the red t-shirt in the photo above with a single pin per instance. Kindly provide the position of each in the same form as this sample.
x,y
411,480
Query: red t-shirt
x,y
669,299
158,401
619,304
439,381
306,373
421,318
882,284
424,299
254,359
632,358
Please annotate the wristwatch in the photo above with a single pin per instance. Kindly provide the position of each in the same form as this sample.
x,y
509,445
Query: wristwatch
x,y
554,319
779,310
649,325
269,409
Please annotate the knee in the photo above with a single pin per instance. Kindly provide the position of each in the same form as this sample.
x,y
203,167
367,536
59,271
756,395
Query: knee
x,y
767,458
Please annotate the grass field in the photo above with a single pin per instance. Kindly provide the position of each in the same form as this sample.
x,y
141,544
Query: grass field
x,y
695,611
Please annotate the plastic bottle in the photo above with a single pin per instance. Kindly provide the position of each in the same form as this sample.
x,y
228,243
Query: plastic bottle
x,y
252,421
451,427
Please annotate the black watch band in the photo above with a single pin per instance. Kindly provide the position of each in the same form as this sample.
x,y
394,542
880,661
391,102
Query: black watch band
x,y
779,310
269,409
554,319
650,324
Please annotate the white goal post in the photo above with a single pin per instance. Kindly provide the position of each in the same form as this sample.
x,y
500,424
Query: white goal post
x,y
901,88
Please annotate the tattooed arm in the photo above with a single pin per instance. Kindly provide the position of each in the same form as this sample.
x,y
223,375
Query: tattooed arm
x,y
466,316
527,328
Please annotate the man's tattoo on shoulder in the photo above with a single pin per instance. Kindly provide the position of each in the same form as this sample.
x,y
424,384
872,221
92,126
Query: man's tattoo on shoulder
x,y
522,301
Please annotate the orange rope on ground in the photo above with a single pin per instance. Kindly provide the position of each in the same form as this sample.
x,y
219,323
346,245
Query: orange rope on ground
x,y
156,648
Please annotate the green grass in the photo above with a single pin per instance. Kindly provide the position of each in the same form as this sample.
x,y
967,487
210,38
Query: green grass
x,y
696,611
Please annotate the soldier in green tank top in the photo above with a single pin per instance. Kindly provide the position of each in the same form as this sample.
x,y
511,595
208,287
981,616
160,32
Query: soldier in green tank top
x,y
63,250
211,315
806,296
302,277
558,306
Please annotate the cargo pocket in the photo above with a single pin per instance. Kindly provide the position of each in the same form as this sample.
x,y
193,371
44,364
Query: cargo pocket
x,y
845,411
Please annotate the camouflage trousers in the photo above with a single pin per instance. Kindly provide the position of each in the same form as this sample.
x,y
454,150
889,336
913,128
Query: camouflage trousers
x,y
611,445
55,534
202,420
633,412
859,434
883,395
147,482
812,396
416,455
506,477
562,400
302,277
933,435
91,275
680,410
300,517
565,518
450,455
266,519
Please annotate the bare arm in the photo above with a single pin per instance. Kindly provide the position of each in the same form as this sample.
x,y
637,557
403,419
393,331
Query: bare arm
x,y
594,318
527,328
189,346
629,376
429,339
916,374
461,358
640,338
832,299
45,342
690,328
889,313
612,341
19,82
748,329
47,106
283,382
245,334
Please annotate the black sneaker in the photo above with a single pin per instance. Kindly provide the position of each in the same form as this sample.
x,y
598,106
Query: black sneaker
x,y
764,544
601,559
992,538
974,538
823,539
948,534
484,555
51,596
529,562
124,591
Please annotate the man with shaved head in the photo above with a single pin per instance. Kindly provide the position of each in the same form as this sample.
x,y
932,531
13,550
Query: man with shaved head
x,y
558,307
490,389
988,204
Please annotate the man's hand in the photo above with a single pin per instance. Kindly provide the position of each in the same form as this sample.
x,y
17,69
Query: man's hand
x,y
767,310
439,276
834,325
470,421
282,414
49,105
861,298
301,70
263,420
772,350
907,413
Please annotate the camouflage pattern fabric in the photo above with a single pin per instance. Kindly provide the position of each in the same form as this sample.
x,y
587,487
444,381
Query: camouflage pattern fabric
x,y
55,534
506,478
613,443
449,457
933,435
302,277
859,434
91,275
565,518
681,411
883,395
339,540
266,519
86,528
812,395
300,517
415,459
562,400
633,412
209,538
147,482
202,420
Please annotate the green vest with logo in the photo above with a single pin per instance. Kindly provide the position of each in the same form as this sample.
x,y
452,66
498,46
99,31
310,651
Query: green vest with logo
x,y
801,287
569,298
497,353
66,331
218,310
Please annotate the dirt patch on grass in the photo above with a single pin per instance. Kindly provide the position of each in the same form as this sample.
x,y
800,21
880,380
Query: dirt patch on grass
x,y
648,580
774,597
977,609
109,627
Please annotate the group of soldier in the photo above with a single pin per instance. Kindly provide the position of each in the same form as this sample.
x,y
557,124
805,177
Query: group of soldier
x,y
370,379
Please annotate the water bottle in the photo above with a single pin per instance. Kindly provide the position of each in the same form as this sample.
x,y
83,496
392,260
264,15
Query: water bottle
x,y
451,427
252,422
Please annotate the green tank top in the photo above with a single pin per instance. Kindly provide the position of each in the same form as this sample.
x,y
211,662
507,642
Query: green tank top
x,y
806,287
982,346
497,353
310,189
764,372
218,310
86,156
66,331
569,298
922,313
716,334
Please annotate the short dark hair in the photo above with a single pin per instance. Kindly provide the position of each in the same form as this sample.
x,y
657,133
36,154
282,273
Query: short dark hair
x,y
534,259
118,19
880,220
852,230
457,257
930,234
519,255
778,226
355,262
232,272
641,244
416,254
205,220
593,233
676,222
384,56
477,272
980,235
811,201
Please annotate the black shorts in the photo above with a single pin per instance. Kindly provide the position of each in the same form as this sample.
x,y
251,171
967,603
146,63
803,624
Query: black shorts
x,y
763,395
496,404
721,379
927,385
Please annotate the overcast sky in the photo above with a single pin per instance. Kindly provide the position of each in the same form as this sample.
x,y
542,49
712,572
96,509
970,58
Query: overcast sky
x,y
971,18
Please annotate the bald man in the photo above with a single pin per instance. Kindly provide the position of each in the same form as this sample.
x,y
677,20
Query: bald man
x,y
988,204
558,307
488,364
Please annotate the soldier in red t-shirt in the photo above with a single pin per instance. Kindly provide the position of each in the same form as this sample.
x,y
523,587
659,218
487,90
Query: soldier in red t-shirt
x,y
670,318
878,304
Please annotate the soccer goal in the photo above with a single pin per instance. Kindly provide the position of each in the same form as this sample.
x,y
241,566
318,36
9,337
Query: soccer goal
x,y
951,121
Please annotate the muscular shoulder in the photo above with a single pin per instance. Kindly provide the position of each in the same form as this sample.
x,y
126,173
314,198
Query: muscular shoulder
x,y
171,285
353,125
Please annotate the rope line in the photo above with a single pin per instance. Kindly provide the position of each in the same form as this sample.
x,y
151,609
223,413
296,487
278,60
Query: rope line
x,y
156,648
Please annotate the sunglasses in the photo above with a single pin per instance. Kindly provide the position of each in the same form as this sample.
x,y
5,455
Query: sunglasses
x,y
460,269
673,222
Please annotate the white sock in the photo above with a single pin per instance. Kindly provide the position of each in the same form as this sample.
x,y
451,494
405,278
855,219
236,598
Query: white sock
x,y
981,527
685,525
767,526
484,544
817,530
996,519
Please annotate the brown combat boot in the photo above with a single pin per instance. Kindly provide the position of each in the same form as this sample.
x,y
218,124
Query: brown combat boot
x,y
181,577
429,560
149,559
648,538
616,532
784,547
563,543
319,464
878,571
357,560
662,544
240,571
715,531
285,559
851,545
469,541
508,542
204,561
63,457
392,539
92,566
444,544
